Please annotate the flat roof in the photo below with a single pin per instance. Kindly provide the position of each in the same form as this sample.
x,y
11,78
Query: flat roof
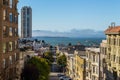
x,y
93,49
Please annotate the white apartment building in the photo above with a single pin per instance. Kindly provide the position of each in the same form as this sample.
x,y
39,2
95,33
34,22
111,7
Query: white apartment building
x,y
103,56
92,63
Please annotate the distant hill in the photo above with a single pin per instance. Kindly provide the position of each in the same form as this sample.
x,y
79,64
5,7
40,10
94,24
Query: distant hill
x,y
86,33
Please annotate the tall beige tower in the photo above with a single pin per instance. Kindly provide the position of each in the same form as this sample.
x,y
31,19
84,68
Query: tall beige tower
x,y
9,54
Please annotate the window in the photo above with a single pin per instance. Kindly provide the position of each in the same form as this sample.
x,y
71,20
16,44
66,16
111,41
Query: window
x,y
97,58
93,58
5,2
16,32
10,59
82,66
10,31
15,44
87,74
119,42
4,31
105,51
4,47
13,18
93,78
10,46
93,69
11,3
10,17
114,58
4,63
109,56
109,41
4,14
86,64
119,59
114,41
28,11
97,70
15,6
87,55
15,56
16,19
90,75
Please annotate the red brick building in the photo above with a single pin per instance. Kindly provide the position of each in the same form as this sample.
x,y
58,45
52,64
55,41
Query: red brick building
x,y
9,54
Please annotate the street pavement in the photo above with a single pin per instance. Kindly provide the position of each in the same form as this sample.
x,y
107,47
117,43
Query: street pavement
x,y
53,76
54,70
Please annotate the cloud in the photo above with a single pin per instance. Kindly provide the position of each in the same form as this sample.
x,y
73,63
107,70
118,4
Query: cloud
x,y
86,33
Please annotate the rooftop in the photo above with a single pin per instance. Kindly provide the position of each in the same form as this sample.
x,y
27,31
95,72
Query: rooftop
x,y
103,43
81,53
115,29
93,49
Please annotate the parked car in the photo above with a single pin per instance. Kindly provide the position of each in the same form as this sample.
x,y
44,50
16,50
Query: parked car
x,y
59,75
64,78
68,78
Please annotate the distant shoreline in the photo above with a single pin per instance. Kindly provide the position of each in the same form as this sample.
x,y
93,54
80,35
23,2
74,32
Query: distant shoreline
x,y
67,37
66,40
49,37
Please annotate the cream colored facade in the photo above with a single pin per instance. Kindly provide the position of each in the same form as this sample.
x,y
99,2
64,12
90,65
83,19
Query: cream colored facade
x,y
80,64
92,63
113,53
70,66
103,56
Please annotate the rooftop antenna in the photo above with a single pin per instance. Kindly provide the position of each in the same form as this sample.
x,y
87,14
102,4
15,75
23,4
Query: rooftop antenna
x,y
113,24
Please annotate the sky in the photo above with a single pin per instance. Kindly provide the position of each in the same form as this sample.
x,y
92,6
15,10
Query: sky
x,y
65,15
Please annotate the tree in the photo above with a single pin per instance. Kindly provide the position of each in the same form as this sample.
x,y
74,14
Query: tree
x,y
30,72
57,54
36,69
24,41
51,47
43,41
48,56
69,44
36,40
62,61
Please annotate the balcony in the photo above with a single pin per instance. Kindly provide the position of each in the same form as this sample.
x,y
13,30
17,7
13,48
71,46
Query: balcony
x,y
94,63
94,74
87,78
87,59
88,69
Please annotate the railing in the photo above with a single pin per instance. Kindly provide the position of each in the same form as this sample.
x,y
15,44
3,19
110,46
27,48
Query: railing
x,y
95,63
